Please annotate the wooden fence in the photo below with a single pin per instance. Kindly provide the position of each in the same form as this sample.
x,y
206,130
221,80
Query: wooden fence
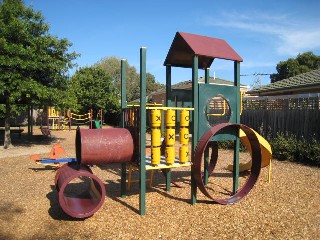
x,y
297,116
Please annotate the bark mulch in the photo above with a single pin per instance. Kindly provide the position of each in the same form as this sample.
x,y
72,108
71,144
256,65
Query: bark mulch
x,y
286,208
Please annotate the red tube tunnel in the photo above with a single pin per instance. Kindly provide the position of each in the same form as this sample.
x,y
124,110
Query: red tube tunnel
x,y
104,145
81,193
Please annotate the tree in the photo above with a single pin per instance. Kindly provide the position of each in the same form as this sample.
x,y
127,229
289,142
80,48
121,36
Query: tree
x,y
304,62
113,66
94,90
152,84
33,63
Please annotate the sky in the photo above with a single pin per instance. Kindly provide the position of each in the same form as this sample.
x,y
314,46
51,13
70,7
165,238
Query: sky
x,y
263,33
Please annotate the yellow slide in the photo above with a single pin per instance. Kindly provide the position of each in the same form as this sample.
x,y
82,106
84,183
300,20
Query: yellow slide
x,y
266,153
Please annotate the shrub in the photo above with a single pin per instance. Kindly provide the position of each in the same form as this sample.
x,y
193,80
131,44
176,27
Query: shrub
x,y
283,146
308,152
288,147
229,144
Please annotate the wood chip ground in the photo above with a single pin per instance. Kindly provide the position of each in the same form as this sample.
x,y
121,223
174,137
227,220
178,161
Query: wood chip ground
x,y
286,208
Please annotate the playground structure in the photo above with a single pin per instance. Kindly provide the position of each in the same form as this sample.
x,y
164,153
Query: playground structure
x,y
127,145
54,159
57,121
53,119
266,153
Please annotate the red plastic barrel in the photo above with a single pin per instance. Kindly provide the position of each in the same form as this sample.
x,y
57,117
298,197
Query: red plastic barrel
x,y
106,145
81,193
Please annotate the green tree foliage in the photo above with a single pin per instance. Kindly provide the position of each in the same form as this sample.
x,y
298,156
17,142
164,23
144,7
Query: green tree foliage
x,y
304,62
33,64
94,89
113,66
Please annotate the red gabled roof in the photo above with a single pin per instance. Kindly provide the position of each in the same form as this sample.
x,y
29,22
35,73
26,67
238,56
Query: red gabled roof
x,y
186,45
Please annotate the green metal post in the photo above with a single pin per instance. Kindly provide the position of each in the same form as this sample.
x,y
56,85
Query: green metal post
x,y
237,141
237,84
142,196
123,89
168,104
207,76
206,153
168,86
195,117
123,106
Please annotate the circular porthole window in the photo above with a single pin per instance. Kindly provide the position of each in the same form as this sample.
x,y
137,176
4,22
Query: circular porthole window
x,y
217,110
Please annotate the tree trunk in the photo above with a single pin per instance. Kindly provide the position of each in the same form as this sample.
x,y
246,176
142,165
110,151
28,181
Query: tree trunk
x,y
7,136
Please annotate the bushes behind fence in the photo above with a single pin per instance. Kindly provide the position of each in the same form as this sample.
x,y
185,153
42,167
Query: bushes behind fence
x,y
288,147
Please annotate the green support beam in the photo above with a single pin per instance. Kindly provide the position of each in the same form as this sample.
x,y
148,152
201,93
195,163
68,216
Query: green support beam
x,y
123,87
169,103
195,117
237,140
168,86
123,106
206,153
142,182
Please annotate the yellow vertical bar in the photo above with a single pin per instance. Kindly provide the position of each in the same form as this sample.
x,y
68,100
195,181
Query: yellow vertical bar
x,y
184,136
170,136
155,136
269,171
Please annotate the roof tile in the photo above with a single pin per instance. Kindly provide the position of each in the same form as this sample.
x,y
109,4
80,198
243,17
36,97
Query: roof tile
x,y
293,84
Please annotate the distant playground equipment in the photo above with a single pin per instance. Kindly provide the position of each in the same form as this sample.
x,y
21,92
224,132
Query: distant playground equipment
x,y
98,121
127,145
53,160
58,121
79,119
53,119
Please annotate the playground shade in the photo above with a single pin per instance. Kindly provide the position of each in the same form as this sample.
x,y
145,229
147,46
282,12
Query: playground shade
x,y
186,45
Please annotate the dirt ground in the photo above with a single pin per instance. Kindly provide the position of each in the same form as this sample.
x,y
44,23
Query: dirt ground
x,y
286,208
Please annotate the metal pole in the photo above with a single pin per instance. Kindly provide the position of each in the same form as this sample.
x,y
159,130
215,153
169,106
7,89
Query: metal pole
x,y
236,147
195,116
168,104
123,106
206,152
142,196
168,86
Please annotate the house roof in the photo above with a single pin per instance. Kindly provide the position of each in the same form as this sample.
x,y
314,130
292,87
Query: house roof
x,y
303,83
188,84
212,80
186,45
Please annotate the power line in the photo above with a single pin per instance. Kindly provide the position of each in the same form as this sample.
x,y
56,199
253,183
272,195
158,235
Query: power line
x,y
257,80
256,74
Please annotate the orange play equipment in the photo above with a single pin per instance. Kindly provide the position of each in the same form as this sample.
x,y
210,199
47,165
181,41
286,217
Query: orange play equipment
x,y
55,152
